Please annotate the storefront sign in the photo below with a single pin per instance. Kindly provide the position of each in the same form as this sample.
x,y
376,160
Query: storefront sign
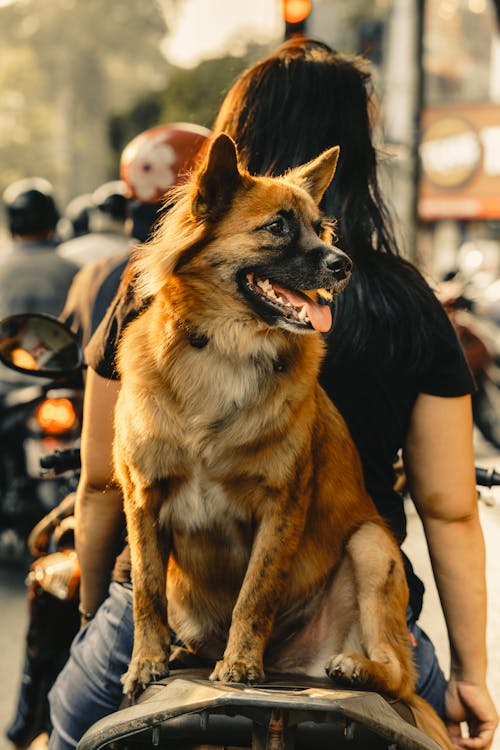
x,y
460,163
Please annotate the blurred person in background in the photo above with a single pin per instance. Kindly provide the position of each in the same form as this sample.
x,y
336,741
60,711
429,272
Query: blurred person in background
x,y
33,277
107,233
153,162
75,220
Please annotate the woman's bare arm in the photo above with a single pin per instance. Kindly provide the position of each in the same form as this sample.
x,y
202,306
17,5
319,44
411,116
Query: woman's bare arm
x,y
439,461
99,504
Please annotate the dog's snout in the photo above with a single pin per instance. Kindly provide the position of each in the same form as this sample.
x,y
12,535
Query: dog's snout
x,y
340,265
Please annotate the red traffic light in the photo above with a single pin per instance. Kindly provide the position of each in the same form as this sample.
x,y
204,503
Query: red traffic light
x,y
295,11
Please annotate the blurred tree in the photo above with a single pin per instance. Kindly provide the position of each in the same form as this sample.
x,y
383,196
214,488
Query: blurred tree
x,y
191,95
66,66
144,114
194,95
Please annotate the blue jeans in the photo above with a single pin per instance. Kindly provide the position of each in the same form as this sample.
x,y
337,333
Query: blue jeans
x,y
89,686
431,682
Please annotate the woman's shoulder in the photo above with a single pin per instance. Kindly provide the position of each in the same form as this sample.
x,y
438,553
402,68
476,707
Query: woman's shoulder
x,y
389,316
426,333
114,316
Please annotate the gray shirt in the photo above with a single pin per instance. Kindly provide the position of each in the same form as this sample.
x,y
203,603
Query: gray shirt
x,y
33,278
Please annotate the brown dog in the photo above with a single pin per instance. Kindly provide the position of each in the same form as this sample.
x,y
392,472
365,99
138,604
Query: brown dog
x,y
238,473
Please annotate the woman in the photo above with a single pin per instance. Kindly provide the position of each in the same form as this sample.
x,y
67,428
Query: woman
x,y
394,369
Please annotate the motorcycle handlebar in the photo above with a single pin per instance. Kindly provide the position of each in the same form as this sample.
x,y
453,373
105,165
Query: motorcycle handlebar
x,y
61,461
65,460
487,477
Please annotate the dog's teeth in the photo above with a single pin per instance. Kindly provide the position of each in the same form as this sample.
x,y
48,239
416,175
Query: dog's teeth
x,y
267,288
265,285
303,314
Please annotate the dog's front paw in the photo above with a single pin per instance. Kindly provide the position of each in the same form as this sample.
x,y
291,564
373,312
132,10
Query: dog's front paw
x,y
140,673
233,670
348,669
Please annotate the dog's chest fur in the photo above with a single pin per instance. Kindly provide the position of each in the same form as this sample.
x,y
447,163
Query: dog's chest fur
x,y
217,421
206,408
201,504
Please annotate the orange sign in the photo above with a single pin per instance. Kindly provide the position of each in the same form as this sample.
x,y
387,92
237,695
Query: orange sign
x,y
460,163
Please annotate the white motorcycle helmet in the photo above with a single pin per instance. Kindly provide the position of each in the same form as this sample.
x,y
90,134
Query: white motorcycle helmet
x,y
160,158
152,163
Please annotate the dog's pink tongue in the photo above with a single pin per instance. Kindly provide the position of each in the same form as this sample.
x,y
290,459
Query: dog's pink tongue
x,y
319,315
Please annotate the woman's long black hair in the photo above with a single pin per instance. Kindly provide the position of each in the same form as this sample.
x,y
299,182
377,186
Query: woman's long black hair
x,y
284,111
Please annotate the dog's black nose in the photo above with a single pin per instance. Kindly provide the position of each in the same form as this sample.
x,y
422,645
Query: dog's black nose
x,y
339,264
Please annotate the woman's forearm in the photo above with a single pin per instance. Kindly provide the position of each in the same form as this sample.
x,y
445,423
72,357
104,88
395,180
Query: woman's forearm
x,y
99,506
457,555
439,460
99,530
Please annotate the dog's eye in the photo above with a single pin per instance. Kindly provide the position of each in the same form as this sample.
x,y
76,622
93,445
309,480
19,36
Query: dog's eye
x,y
278,226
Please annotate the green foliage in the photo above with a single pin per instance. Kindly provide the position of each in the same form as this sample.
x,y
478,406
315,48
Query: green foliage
x,y
80,78
191,95
195,95
66,66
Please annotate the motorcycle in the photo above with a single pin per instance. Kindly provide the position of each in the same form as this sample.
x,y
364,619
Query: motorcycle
x,y
480,342
34,420
187,710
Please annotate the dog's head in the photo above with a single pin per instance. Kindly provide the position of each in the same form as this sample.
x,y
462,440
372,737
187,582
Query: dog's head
x,y
258,245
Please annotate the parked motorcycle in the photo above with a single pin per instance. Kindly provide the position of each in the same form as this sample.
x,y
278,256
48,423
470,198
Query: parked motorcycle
x,y
480,342
187,710
35,420
53,621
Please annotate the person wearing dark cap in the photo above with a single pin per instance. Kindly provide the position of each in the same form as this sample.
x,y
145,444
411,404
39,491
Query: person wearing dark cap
x,y
108,234
33,277
150,165
75,220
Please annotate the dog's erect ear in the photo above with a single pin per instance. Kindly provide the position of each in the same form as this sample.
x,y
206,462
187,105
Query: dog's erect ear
x,y
316,175
218,179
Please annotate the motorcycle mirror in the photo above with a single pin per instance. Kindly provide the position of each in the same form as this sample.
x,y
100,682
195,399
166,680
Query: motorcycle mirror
x,y
39,344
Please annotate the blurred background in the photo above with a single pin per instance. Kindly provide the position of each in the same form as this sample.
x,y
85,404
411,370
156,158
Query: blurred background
x,y
80,78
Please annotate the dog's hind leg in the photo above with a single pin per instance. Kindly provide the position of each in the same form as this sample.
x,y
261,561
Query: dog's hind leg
x,y
384,661
149,555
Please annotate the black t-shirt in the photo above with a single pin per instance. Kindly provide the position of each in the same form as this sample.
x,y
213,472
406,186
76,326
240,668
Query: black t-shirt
x,y
375,401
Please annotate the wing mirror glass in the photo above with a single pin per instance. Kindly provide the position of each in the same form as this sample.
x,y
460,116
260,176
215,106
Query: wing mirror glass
x,y
39,344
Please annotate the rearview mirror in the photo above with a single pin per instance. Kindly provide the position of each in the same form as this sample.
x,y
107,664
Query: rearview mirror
x,y
39,344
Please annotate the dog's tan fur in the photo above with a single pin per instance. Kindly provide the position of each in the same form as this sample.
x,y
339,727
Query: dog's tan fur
x,y
238,473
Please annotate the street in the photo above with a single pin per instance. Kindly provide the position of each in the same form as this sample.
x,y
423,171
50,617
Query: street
x,y
12,628
13,604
